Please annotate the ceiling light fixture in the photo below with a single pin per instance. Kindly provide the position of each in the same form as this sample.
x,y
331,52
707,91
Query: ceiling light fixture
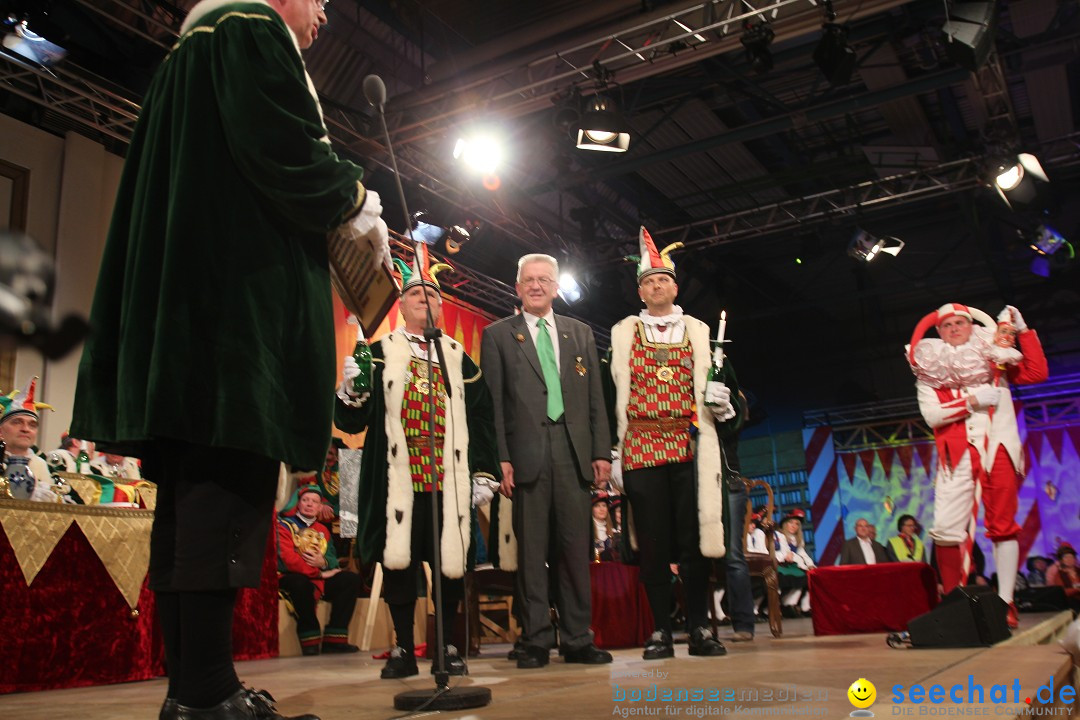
x,y
867,247
1016,179
603,127
833,55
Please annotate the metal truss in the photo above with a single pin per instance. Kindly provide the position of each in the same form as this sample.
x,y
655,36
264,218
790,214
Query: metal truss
x,y
641,50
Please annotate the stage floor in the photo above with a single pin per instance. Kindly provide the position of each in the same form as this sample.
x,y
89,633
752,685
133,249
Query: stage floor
x,y
754,679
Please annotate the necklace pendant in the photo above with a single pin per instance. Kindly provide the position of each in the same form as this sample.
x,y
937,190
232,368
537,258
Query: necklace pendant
x,y
662,355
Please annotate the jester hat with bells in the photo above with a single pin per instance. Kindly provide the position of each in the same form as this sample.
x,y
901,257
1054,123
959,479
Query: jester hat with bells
x,y
650,261
422,271
21,402
942,314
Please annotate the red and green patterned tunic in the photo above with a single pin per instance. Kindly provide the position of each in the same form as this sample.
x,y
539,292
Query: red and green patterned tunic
x,y
652,398
417,423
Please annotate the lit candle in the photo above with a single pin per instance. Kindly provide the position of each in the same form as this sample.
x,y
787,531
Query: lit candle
x,y
723,328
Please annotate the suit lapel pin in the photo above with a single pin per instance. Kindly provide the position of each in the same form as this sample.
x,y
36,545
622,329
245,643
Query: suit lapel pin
x,y
520,338
566,336
579,368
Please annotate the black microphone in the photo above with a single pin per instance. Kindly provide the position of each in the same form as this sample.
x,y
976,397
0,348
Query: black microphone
x,y
375,92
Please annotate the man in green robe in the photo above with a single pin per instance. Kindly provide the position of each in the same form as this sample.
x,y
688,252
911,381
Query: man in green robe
x,y
213,352
396,490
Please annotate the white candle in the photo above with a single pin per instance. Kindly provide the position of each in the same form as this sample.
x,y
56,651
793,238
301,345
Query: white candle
x,y
723,328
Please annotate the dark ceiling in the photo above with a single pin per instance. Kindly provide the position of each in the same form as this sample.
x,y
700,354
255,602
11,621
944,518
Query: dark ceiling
x,y
764,177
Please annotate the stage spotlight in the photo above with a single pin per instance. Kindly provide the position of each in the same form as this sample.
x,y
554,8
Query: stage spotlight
x,y
480,152
603,127
833,56
867,247
569,289
756,39
1016,179
456,237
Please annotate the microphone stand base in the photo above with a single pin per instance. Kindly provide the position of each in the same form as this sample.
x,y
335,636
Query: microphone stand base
x,y
456,698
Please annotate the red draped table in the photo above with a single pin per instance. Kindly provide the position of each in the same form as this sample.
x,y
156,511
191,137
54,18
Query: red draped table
x,y
620,609
72,626
870,598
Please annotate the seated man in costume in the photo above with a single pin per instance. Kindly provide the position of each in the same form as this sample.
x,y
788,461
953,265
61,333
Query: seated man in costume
x,y
396,492
963,380
308,571
66,458
28,476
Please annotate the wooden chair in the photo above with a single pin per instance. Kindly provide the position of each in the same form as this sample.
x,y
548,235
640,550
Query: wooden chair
x,y
763,565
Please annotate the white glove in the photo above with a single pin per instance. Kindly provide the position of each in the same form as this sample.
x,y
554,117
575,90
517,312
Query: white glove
x,y
1017,319
984,397
42,493
368,224
345,392
616,472
483,490
718,399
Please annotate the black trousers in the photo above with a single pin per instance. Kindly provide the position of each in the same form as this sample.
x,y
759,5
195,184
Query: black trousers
x,y
664,503
340,591
402,586
213,515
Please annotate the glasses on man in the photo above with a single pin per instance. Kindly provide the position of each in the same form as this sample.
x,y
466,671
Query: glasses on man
x,y
321,4
543,282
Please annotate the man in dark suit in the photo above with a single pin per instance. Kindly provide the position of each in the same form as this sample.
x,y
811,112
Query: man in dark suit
x,y
862,549
553,441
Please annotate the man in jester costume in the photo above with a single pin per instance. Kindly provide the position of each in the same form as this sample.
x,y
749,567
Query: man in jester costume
x,y
28,474
308,570
963,381
676,484
395,494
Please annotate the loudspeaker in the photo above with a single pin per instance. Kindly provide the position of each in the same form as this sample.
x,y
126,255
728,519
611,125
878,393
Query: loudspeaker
x,y
969,616
969,33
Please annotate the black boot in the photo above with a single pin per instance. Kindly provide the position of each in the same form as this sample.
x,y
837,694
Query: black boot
x,y
245,704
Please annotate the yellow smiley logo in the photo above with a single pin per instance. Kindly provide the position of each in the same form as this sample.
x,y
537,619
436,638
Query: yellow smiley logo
x,y
862,693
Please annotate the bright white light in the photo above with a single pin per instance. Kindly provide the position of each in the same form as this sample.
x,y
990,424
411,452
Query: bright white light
x,y
602,137
569,290
1008,179
482,153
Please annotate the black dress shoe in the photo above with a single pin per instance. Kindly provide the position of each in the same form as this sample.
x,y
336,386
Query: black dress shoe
x,y
245,704
401,664
168,710
703,643
659,646
339,648
587,655
532,656
515,652
452,662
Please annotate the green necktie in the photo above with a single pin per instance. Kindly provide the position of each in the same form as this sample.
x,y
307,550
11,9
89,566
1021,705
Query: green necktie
x,y
551,370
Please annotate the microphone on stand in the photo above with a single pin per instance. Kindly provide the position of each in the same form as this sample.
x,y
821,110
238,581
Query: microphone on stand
x,y
444,697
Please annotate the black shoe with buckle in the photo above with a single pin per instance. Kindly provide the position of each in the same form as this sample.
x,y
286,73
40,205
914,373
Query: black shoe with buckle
x,y
245,704
703,643
452,662
659,646
586,655
532,656
401,664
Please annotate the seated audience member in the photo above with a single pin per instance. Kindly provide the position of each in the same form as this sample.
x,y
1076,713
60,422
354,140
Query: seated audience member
x,y
111,465
1065,574
861,549
27,473
873,532
66,457
755,537
603,537
794,561
906,547
1037,565
308,570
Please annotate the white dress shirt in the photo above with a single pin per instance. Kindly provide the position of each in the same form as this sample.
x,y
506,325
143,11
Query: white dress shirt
x,y
867,546
531,319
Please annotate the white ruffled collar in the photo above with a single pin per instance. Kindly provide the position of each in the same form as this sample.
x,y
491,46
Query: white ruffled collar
x,y
672,318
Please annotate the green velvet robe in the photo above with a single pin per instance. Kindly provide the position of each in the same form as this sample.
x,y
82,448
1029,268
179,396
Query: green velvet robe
x,y
212,316
386,494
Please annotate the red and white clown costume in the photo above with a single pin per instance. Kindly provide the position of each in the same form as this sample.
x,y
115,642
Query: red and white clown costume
x,y
964,397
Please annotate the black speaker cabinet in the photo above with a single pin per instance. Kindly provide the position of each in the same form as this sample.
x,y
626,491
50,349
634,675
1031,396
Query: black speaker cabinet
x,y
969,616
970,33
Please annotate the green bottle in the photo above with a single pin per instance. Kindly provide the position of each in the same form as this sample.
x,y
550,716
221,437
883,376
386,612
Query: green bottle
x,y
82,463
716,370
362,356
